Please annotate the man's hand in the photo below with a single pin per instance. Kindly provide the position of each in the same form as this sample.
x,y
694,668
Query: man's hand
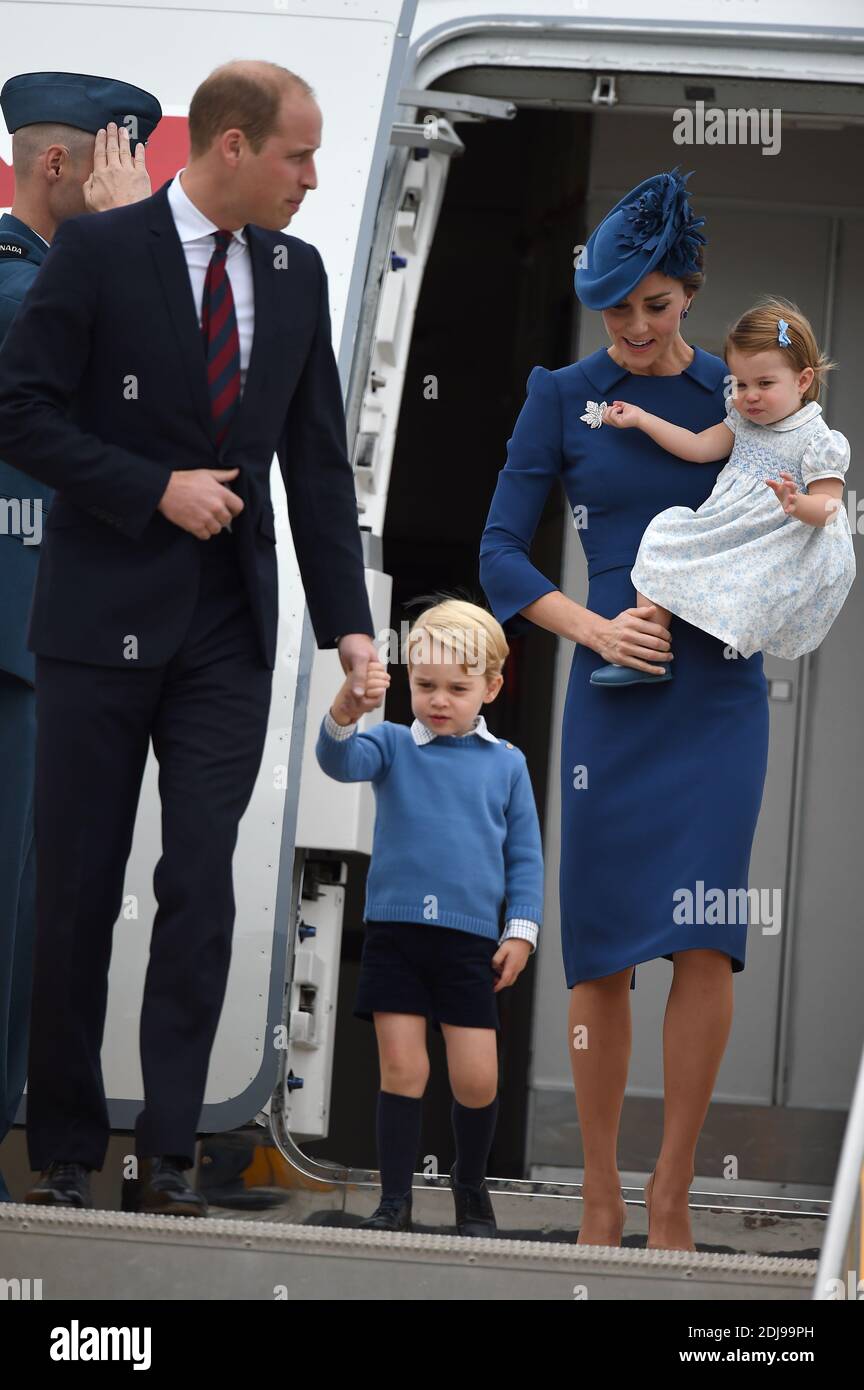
x,y
118,177
509,961
196,501
348,707
356,650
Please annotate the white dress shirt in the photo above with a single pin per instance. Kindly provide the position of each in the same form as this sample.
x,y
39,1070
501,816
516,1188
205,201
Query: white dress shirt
x,y
196,235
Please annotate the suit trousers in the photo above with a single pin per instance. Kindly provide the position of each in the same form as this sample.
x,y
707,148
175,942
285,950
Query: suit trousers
x,y
17,887
206,713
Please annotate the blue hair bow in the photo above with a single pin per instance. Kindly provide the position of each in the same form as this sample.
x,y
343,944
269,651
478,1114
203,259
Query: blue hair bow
x,y
782,336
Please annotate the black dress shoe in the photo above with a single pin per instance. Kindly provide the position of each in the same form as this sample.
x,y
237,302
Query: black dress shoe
x,y
474,1214
62,1185
161,1189
391,1214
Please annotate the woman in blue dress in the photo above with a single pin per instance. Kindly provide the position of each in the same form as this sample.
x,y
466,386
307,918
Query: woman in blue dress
x,y
661,782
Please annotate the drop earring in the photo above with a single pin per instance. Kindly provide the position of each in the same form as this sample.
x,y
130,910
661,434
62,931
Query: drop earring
x,y
685,313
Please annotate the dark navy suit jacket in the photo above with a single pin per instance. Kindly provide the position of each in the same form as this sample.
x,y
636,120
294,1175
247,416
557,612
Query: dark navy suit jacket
x,y
103,392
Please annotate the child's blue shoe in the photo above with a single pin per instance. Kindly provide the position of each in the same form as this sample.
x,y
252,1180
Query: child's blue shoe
x,y
625,675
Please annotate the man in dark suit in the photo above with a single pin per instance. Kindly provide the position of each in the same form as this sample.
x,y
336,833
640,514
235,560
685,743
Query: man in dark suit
x,y
165,353
71,153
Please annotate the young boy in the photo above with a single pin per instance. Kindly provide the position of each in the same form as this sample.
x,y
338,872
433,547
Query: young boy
x,y
456,836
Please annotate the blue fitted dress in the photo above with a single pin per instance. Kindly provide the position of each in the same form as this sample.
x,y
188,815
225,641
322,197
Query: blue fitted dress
x,y
661,784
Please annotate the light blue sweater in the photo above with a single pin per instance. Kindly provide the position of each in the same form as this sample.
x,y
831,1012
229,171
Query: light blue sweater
x,y
456,828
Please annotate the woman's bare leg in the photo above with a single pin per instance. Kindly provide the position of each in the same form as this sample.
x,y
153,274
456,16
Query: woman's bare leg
x,y
695,1032
599,1045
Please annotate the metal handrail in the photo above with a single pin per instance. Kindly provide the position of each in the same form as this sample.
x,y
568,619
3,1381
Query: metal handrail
x,y
346,1177
842,1253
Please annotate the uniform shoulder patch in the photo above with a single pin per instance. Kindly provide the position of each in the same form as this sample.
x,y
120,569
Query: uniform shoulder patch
x,y
12,248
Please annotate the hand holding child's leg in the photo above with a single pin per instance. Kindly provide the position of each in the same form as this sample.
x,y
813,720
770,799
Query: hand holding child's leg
x,y
613,674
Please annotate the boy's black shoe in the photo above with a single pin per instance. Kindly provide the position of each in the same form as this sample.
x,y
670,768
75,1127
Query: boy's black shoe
x,y
391,1214
474,1214
62,1185
161,1189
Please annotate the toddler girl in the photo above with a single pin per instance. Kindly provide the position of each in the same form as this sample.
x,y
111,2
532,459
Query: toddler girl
x,y
766,562
456,834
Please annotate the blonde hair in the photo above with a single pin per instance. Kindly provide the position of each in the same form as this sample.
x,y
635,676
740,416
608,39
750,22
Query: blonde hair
x,y
468,632
757,331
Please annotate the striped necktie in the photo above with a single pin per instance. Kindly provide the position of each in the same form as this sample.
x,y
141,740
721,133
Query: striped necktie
x,y
221,340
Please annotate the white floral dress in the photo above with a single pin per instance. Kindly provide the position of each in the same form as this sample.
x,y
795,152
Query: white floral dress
x,y
738,567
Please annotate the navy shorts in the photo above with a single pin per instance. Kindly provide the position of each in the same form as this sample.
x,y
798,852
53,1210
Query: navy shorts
x,y
441,973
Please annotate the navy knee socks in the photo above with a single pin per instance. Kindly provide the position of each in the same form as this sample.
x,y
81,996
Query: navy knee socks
x,y
474,1130
398,1130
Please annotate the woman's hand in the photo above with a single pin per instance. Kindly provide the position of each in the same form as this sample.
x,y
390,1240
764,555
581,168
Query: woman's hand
x,y
623,415
347,708
785,492
632,639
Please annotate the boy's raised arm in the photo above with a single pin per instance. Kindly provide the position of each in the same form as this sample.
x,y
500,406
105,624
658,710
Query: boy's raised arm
x,y
351,757
343,753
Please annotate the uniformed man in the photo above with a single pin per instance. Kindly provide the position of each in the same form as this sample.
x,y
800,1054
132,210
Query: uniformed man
x,y
77,146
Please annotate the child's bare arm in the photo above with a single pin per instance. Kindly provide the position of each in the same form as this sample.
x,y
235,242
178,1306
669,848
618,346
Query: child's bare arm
x,y
818,506
704,447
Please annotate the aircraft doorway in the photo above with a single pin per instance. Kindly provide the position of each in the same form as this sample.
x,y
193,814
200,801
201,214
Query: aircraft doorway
x,y
497,298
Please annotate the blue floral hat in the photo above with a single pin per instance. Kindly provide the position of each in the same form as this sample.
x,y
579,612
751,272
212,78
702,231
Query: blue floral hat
x,y
652,228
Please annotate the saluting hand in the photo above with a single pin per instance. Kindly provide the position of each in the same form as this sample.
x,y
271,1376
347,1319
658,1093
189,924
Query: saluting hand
x,y
118,177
